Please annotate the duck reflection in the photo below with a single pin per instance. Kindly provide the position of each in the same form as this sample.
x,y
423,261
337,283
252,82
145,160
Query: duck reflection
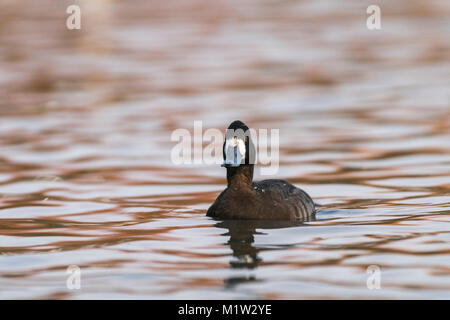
x,y
245,255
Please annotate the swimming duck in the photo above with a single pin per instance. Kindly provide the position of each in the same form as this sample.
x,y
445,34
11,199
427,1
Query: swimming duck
x,y
271,199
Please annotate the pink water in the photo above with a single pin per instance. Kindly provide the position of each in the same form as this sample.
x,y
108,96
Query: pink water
x,y
86,176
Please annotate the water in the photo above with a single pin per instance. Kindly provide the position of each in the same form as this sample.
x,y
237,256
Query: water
x,y
85,171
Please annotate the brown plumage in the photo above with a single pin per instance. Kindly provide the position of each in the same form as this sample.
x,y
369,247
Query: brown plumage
x,y
271,199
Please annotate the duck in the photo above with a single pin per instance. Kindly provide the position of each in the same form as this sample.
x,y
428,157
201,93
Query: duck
x,y
245,199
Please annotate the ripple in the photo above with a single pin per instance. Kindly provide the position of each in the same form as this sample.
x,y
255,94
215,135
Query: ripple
x,y
86,176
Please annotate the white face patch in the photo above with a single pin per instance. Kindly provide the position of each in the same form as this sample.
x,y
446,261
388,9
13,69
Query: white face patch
x,y
234,151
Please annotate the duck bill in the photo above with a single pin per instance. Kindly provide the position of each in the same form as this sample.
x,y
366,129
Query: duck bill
x,y
233,157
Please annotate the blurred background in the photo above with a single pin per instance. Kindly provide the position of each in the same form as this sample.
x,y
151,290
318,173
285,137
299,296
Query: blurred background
x,y
86,118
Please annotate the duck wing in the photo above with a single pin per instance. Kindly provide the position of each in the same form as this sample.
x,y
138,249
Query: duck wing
x,y
286,196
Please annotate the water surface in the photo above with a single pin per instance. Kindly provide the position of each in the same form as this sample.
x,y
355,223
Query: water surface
x,y
86,177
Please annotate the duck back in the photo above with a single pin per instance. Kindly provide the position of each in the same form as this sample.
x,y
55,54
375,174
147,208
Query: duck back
x,y
271,199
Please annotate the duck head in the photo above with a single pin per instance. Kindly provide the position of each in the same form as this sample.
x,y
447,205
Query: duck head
x,y
238,148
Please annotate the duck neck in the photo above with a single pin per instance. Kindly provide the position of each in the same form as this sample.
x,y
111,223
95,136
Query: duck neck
x,y
240,177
